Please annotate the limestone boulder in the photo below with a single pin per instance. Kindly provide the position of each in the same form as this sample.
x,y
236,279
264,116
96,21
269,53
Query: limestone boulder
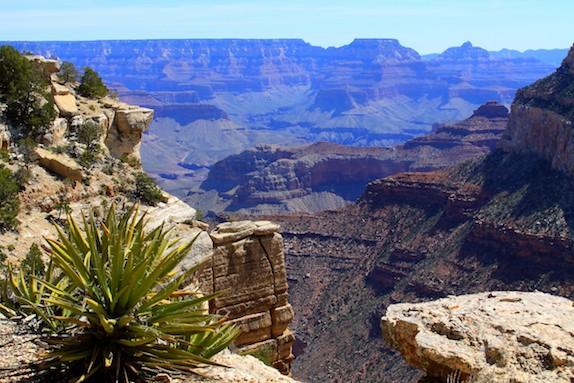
x,y
59,89
243,369
62,165
66,104
491,337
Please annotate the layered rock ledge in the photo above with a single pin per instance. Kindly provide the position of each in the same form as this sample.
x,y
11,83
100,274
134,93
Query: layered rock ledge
x,y
248,264
491,337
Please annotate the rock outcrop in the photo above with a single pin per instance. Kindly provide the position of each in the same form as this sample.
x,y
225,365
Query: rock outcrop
x,y
491,337
5,136
543,117
64,100
62,165
122,124
273,179
245,261
125,134
249,267
246,258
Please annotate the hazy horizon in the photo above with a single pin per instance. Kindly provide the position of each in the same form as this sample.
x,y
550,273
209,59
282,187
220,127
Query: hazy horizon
x,y
426,26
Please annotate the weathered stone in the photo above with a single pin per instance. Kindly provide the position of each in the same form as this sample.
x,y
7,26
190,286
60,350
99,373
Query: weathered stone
x,y
66,104
265,228
124,136
246,369
200,225
254,328
242,268
133,119
172,211
221,238
281,317
285,345
272,245
494,337
103,121
282,299
48,66
234,227
250,269
62,165
61,90
56,135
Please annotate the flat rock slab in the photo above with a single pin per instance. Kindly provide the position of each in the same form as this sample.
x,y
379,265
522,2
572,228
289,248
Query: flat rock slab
x,y
493,337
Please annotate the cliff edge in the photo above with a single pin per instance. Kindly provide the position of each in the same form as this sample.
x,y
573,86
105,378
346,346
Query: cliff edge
x,y
542,118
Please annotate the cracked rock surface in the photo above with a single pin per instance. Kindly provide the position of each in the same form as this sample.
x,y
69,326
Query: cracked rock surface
x,y
493,336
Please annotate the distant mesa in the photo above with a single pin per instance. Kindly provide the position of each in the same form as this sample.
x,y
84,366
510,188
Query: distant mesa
x,y
232,94
465,52
383,50
491,109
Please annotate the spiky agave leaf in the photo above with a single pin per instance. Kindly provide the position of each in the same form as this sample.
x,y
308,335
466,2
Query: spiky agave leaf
x,y
118,306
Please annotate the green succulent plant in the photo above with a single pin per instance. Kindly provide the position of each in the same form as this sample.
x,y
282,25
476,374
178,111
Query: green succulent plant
x,y
115,305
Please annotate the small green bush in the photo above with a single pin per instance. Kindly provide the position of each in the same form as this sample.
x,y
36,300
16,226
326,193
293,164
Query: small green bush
x,y
146,190
91,84
68,73
4,155
63,207
9,203
89,133
22,89
264,354
59,149
26,147
131,161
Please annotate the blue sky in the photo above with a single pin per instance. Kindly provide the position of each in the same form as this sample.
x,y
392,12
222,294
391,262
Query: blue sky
x,y
425,25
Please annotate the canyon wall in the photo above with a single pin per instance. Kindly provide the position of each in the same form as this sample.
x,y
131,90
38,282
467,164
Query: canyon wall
x,y
271,179
215,98
499,222
542,118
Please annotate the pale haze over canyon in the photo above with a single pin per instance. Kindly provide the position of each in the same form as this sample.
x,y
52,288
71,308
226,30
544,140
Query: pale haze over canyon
x,y
365,155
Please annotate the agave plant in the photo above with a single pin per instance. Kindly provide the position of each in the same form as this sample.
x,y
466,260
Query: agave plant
x,y
115,303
